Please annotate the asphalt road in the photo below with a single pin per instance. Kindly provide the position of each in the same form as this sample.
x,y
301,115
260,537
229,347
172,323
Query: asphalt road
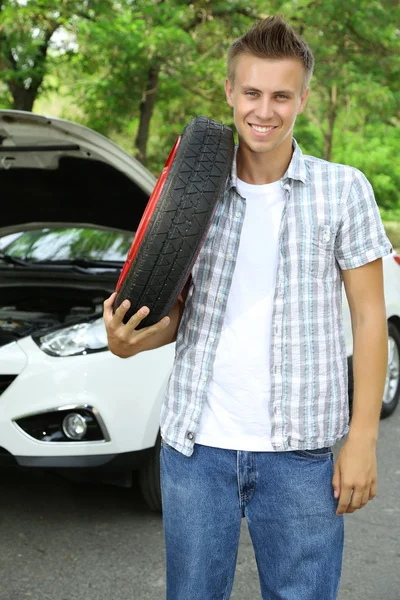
x,y
65,541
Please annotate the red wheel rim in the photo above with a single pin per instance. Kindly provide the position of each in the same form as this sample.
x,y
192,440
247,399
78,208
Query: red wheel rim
x,y
148,213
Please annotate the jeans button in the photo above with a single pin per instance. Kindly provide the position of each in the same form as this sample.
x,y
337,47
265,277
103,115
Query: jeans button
x,y
190,435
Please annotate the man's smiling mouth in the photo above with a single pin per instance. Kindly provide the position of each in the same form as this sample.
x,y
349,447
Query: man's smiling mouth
x,y
262,129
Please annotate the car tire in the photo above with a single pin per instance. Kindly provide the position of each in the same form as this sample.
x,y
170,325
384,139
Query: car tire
x,y
149,479
392,386
391,393
176,220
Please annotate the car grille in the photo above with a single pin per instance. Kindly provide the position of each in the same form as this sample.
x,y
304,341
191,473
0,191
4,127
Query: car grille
x,y
5,381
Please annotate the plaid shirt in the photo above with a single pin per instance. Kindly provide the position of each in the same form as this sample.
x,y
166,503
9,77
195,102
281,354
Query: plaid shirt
x,y
330,222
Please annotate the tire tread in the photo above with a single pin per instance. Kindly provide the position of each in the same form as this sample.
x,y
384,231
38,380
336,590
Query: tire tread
x,y
180,220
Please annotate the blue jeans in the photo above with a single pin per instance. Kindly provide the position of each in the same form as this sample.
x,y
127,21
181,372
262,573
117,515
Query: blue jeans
x,y
287,499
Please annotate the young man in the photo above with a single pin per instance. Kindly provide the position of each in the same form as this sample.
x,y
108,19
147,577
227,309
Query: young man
x,y
258,392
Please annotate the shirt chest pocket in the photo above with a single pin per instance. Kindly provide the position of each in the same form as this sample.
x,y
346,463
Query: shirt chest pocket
x,y
312,248
323,238
321,251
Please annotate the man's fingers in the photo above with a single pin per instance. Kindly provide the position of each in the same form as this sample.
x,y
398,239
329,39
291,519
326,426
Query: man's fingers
x,y
373,490
365,496
108,304
344,500
152,329
356,501
359,498
109,301
137,318
336,480
158,326
121,312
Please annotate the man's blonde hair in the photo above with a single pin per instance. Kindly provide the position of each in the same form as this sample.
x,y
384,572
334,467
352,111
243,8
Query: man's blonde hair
x,y
271,38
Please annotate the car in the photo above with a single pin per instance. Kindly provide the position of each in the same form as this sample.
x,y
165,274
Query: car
x,y
73,200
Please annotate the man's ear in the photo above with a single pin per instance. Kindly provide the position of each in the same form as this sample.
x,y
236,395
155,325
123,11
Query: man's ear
x,y
229,92
303,102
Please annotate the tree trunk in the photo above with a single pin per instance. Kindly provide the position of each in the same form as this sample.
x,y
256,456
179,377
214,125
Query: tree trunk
x,y
332,113
23,99
146,112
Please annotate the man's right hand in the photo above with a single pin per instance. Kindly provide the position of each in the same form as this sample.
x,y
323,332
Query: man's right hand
x,y
124,340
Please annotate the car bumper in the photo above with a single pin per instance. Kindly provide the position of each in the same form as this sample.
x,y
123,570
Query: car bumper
x,y
126,393
123,461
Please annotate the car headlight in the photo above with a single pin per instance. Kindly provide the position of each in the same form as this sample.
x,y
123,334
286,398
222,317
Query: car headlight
x,y
83,338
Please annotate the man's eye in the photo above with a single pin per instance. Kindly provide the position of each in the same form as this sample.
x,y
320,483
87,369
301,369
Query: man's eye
x,y
282,96
251,93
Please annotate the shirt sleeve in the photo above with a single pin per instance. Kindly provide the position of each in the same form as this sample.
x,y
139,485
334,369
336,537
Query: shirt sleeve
x,y
361,237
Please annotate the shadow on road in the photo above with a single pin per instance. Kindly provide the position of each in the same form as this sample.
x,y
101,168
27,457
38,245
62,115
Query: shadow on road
x,y
37,490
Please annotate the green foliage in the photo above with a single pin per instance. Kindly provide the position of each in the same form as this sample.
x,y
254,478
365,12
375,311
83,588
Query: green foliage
x,y
27,33
186,42
392,229
127,52
373,149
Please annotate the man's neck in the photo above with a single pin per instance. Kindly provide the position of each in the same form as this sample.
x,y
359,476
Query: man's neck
x,y
259,168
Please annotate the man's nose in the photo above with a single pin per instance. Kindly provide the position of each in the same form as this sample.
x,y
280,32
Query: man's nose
x,y
265,109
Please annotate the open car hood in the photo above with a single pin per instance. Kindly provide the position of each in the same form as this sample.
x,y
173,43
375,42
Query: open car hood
x,y
55,173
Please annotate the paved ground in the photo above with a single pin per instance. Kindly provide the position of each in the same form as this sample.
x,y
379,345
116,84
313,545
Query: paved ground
x,y
78,542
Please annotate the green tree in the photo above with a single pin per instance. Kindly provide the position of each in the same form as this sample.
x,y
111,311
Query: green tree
x,y
139,70
151,53
27,34
356,46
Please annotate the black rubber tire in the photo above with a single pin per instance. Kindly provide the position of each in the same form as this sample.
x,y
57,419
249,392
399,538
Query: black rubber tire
x,y
180,222
149,479
389,408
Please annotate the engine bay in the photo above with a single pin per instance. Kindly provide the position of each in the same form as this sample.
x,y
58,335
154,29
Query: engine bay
x,y
32,310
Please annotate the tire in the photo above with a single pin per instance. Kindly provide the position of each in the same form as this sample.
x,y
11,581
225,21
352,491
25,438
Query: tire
x,y
176,220
149,479
392,387
391,393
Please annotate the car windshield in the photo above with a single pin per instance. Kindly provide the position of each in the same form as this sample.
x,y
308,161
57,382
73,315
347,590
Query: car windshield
x,y
67,244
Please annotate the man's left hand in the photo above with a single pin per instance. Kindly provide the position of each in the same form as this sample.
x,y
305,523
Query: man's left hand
x,y
355,475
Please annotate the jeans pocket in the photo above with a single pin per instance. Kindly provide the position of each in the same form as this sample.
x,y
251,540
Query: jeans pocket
x,y
317,453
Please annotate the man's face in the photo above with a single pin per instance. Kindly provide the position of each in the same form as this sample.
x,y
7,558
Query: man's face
x,y
266,98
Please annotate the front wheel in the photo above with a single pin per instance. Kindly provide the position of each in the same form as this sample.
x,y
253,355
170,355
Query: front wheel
x,y
149,479
391,393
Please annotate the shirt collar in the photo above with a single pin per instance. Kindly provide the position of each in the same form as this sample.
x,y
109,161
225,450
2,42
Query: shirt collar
x,y
296,170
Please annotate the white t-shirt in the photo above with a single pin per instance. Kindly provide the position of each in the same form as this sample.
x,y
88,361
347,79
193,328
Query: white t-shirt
x,y
236,413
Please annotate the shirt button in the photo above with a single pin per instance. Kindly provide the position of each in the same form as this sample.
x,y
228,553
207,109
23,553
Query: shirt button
x,y
237,215
212,340
190,435
230,255
219,299
204,378
326,237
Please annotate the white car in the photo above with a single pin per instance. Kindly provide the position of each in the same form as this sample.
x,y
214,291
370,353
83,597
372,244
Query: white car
x,y
72,200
